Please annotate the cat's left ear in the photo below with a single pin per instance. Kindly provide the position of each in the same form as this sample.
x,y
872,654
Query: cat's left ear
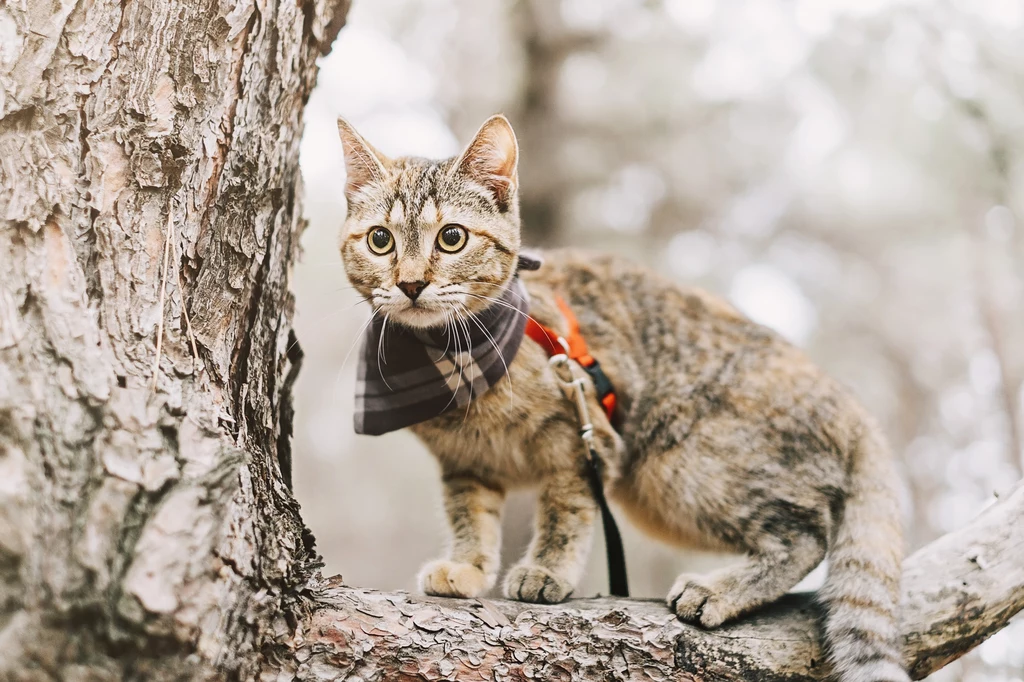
x,y
491,159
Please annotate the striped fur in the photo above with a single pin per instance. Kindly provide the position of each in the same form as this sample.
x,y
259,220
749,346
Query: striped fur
x,y
731,439
861,594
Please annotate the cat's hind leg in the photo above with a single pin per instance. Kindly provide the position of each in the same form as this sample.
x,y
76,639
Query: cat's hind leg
x,y
558,552
712,599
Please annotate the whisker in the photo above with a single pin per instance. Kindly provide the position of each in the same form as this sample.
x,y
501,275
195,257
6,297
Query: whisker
x,y
352,347
448,342
449,325
504,303
380,350
497,286
505,286
494,344
325,316
458,360
469,345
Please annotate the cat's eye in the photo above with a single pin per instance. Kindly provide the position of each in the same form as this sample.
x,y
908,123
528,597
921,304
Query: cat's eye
x,y
380,241
451,238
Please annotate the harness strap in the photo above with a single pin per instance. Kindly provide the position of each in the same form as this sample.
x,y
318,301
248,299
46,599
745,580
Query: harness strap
x,y
575,347
549,340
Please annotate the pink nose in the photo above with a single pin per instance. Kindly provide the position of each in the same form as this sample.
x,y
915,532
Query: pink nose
x,y
412,289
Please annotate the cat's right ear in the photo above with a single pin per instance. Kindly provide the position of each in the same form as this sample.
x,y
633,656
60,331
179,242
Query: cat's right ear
x,y
364,165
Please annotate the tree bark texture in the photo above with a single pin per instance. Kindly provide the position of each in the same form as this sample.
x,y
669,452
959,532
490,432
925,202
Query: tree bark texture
x,y
150,199
149,219
957,592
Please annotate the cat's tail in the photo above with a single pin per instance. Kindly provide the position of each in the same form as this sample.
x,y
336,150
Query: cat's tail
x,y
861,595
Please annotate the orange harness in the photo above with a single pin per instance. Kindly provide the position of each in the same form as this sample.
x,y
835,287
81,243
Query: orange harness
x,y
574,345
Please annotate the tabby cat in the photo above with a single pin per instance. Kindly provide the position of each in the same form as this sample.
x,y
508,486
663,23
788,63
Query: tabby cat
x,y
728,437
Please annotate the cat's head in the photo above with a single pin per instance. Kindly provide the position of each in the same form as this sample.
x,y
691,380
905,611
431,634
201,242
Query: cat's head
x,y
425,240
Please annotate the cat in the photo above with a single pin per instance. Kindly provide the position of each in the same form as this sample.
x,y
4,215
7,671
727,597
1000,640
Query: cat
x,y
730,438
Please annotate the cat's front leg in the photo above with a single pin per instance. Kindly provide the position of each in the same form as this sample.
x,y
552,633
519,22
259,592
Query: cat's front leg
x,y
558,552
474,513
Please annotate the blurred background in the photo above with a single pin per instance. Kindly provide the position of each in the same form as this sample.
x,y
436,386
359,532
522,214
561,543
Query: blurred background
x,y
850,173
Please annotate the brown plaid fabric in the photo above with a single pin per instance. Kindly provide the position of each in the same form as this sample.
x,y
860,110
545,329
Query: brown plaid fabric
x,y
408,376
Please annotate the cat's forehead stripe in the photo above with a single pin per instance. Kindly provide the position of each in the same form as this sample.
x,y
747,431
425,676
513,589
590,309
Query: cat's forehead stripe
x,y
396,215
430,212
417,188
421,193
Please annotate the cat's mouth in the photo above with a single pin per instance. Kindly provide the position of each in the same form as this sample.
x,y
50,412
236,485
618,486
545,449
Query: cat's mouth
x,y
424,312
435,306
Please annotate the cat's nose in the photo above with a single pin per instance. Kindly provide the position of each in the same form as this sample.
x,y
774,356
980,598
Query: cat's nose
x,y
412,289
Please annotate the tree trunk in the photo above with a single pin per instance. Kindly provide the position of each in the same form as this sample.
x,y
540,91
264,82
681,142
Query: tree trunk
x,y
150,209
150,215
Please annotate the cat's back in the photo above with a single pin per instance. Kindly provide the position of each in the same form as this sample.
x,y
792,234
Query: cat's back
x,y
632,310
682,358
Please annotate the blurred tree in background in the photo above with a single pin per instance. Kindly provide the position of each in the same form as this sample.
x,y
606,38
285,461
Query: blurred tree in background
x,y
848,173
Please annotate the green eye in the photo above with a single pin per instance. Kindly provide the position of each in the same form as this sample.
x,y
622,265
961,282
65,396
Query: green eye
x,y
380,241
451,238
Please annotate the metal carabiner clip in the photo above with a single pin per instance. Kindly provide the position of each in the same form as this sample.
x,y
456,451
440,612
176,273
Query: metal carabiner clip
x,y
572,386
560,363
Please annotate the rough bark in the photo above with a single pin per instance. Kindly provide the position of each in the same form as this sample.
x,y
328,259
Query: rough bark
x,y
957,592
150,192
149,218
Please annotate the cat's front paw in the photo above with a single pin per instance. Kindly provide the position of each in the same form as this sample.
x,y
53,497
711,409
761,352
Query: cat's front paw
x,y
536,584
443,578
696,601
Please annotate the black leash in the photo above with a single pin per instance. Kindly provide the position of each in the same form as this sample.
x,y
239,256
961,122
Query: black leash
x,y
572,385
616,555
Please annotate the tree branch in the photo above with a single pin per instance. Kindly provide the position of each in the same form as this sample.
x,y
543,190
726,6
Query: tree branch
x,y
958,591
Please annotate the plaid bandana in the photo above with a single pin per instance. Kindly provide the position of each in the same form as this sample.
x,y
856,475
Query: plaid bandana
x,y
408,376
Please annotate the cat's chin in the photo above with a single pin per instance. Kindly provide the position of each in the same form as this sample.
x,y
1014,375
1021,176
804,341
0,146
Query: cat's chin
x,y
419,318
